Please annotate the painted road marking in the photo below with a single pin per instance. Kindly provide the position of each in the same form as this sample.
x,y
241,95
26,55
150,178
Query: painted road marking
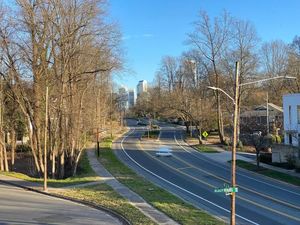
x,y
191,193
223,167
211,186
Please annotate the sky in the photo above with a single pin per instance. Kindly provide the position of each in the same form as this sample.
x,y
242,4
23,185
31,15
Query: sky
x,y
155,28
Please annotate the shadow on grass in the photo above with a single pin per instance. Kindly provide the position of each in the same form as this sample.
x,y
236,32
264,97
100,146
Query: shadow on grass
x,y
85,175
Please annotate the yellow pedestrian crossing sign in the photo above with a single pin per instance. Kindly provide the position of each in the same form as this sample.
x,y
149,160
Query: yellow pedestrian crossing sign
x,y
205,134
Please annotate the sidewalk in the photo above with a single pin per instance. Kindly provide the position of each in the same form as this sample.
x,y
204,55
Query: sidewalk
x,y
131,196
224,156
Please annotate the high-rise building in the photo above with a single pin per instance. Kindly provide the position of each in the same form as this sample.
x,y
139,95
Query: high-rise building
x,y
141,87
131,98
123,98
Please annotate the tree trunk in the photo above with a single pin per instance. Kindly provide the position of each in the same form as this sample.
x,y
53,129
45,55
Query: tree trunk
x,y
1,159
199,135
187,127
76,163
33,150
62,164
53,171
257,158
220,120
13,148
3,153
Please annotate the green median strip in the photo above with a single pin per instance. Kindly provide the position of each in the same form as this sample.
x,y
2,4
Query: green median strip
x,y
205,149
151,134
268,172
166,202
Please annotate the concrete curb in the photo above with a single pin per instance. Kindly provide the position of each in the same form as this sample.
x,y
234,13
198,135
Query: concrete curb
x,y
111,212
264,165
133,198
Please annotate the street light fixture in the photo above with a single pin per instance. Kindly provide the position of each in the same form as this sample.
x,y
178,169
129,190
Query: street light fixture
x,y
234,142
219,89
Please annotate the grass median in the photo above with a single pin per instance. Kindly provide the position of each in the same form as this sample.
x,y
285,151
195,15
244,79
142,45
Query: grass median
x,y
269,173
205,149
173,206
153,134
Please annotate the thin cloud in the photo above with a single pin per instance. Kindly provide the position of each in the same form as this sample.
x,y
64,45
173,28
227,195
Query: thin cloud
x,y
137,36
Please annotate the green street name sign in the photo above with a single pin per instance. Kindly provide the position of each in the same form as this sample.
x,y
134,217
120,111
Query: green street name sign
x,y
227,189
205,134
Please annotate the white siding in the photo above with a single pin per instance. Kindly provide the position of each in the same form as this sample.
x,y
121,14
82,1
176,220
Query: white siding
x,y
291,103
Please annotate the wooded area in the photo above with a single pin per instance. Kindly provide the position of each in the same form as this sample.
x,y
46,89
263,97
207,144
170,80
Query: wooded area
x,y
71,48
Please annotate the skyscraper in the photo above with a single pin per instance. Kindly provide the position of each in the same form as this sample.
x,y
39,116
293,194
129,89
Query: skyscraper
x,y
123,98
141,87
131,98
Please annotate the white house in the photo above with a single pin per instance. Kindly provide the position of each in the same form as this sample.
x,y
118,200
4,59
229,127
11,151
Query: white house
x,y
291,117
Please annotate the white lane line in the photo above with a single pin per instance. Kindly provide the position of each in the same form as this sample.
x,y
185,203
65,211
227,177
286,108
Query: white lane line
x,y
283,189
191,193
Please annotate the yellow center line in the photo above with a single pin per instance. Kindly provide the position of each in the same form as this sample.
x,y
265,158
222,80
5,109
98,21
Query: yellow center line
x,y
240,186
212,186
186,167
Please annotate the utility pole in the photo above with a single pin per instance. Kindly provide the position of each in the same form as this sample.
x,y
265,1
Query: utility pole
x,y
268,123
45,142
111,102
1,126
235,129
97,122
233,162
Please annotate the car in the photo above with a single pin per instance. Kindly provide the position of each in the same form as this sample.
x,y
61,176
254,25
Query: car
x,y
164,151
141,123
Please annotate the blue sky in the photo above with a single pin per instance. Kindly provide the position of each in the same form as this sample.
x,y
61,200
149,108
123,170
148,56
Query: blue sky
x,y
155,28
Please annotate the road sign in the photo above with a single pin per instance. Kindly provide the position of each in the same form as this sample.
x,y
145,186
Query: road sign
x,y
227,189
205,134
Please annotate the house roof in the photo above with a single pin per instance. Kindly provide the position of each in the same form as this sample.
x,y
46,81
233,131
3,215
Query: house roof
x,y
261,110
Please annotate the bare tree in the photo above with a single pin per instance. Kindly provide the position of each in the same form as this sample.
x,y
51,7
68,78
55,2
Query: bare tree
x,y
69,47
210,38
275,61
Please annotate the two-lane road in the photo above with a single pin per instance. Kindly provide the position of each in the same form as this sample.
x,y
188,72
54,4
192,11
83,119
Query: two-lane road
x,y
193,176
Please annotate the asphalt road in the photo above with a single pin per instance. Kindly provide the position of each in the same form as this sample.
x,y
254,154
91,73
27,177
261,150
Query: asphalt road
x,y
18,206
193,176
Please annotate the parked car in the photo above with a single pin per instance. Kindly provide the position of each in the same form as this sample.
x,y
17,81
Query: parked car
x,y
141,123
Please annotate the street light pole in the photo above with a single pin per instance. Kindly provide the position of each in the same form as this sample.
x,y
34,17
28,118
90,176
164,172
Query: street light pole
x,y
45,142
235,128
234,143
111,103
268,123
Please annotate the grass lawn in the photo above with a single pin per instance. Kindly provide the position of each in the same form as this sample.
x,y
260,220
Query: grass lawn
x,y
173,206
270,173
104,195
151,134
205,149
85,175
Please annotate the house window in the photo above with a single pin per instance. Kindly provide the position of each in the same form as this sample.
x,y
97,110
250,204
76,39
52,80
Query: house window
x,y
298,113
290,139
